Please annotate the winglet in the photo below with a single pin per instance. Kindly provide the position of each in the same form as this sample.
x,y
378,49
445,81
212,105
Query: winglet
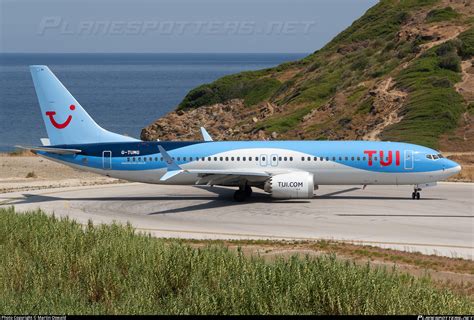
x,y
205,135
172,167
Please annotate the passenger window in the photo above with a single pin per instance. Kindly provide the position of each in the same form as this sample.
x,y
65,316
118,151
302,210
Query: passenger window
x,y
226,158
321,158
203,159
375,158
309,158
179,159
161,158
315,158
139,159
244,159
346,158
340,158
363,158
128,159
215,158
302,158
291,158
238,158
352,158
279,158
221,159
231,158
358,158
133,159
274,158
263,159
150,159
144,159
333,158
209,159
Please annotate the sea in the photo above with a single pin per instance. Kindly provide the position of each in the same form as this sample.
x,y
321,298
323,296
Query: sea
x,y
122,92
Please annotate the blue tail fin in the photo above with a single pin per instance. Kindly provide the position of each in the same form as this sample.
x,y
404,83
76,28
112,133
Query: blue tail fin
x,y
65,119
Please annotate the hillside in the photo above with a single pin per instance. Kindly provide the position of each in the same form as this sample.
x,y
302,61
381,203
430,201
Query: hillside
x,y
402,72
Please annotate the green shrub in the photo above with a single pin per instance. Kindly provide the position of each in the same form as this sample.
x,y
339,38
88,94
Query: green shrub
x,y
467,47
451,62
250,86
444,14
52,266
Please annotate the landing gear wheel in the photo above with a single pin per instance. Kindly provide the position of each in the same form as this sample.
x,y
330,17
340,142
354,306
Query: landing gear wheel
x,y
248,191
239,195
417,196
413,195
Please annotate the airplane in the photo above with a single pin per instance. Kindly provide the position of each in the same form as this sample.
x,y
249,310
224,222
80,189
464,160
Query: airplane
x,y
284,169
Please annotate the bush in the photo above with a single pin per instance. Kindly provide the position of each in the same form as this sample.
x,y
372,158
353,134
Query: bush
x,y
360,63
466,50
444,14
451,62
253,87
31,174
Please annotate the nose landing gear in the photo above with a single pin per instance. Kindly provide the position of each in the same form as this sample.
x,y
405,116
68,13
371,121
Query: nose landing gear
x,y
416,194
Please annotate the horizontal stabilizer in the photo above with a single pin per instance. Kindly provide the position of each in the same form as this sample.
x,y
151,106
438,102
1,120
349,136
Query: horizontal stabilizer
x,y
50,150
45,142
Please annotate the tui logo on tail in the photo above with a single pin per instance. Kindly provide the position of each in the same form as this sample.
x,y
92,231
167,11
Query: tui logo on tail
x,y
56,124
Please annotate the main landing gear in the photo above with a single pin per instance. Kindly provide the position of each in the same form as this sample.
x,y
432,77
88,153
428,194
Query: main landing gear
x,y
243,192
416,194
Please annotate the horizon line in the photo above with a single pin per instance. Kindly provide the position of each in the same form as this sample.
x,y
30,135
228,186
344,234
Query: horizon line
x,y
155,53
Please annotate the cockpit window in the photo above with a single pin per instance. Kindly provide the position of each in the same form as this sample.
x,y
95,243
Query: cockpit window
x,y
429,156
440,156
435,157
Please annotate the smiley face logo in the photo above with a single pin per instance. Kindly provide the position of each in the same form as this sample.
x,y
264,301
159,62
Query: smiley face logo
x,y
56,124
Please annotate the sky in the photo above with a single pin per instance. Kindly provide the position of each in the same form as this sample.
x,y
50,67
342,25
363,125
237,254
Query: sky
x,y
168,26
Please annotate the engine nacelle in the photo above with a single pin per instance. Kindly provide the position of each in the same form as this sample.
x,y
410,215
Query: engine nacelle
x,y
295,185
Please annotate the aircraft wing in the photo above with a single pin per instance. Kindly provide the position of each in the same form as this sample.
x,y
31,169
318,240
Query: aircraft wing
x,y
51,150
208,176
211,177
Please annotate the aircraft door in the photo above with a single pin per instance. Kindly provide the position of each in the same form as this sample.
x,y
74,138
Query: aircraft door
x,y
409,160
107,160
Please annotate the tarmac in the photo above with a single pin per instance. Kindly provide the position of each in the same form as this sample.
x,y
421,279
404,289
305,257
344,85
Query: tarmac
x,y
441,222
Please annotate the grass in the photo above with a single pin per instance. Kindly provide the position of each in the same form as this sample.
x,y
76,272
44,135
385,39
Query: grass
x,y
443,14
381,21
57,266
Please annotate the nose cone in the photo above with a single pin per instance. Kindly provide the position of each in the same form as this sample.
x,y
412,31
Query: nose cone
x,y
457,169
453,168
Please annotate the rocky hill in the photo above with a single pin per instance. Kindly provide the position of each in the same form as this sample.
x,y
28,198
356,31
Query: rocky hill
x,y
402,72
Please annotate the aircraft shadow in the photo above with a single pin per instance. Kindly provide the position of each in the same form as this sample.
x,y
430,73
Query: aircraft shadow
x,y
224,199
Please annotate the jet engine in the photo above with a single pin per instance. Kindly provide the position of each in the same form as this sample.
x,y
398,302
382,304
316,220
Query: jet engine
x,y
295,185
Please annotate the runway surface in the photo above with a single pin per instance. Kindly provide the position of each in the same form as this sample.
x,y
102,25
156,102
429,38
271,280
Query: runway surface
x,y
442,222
